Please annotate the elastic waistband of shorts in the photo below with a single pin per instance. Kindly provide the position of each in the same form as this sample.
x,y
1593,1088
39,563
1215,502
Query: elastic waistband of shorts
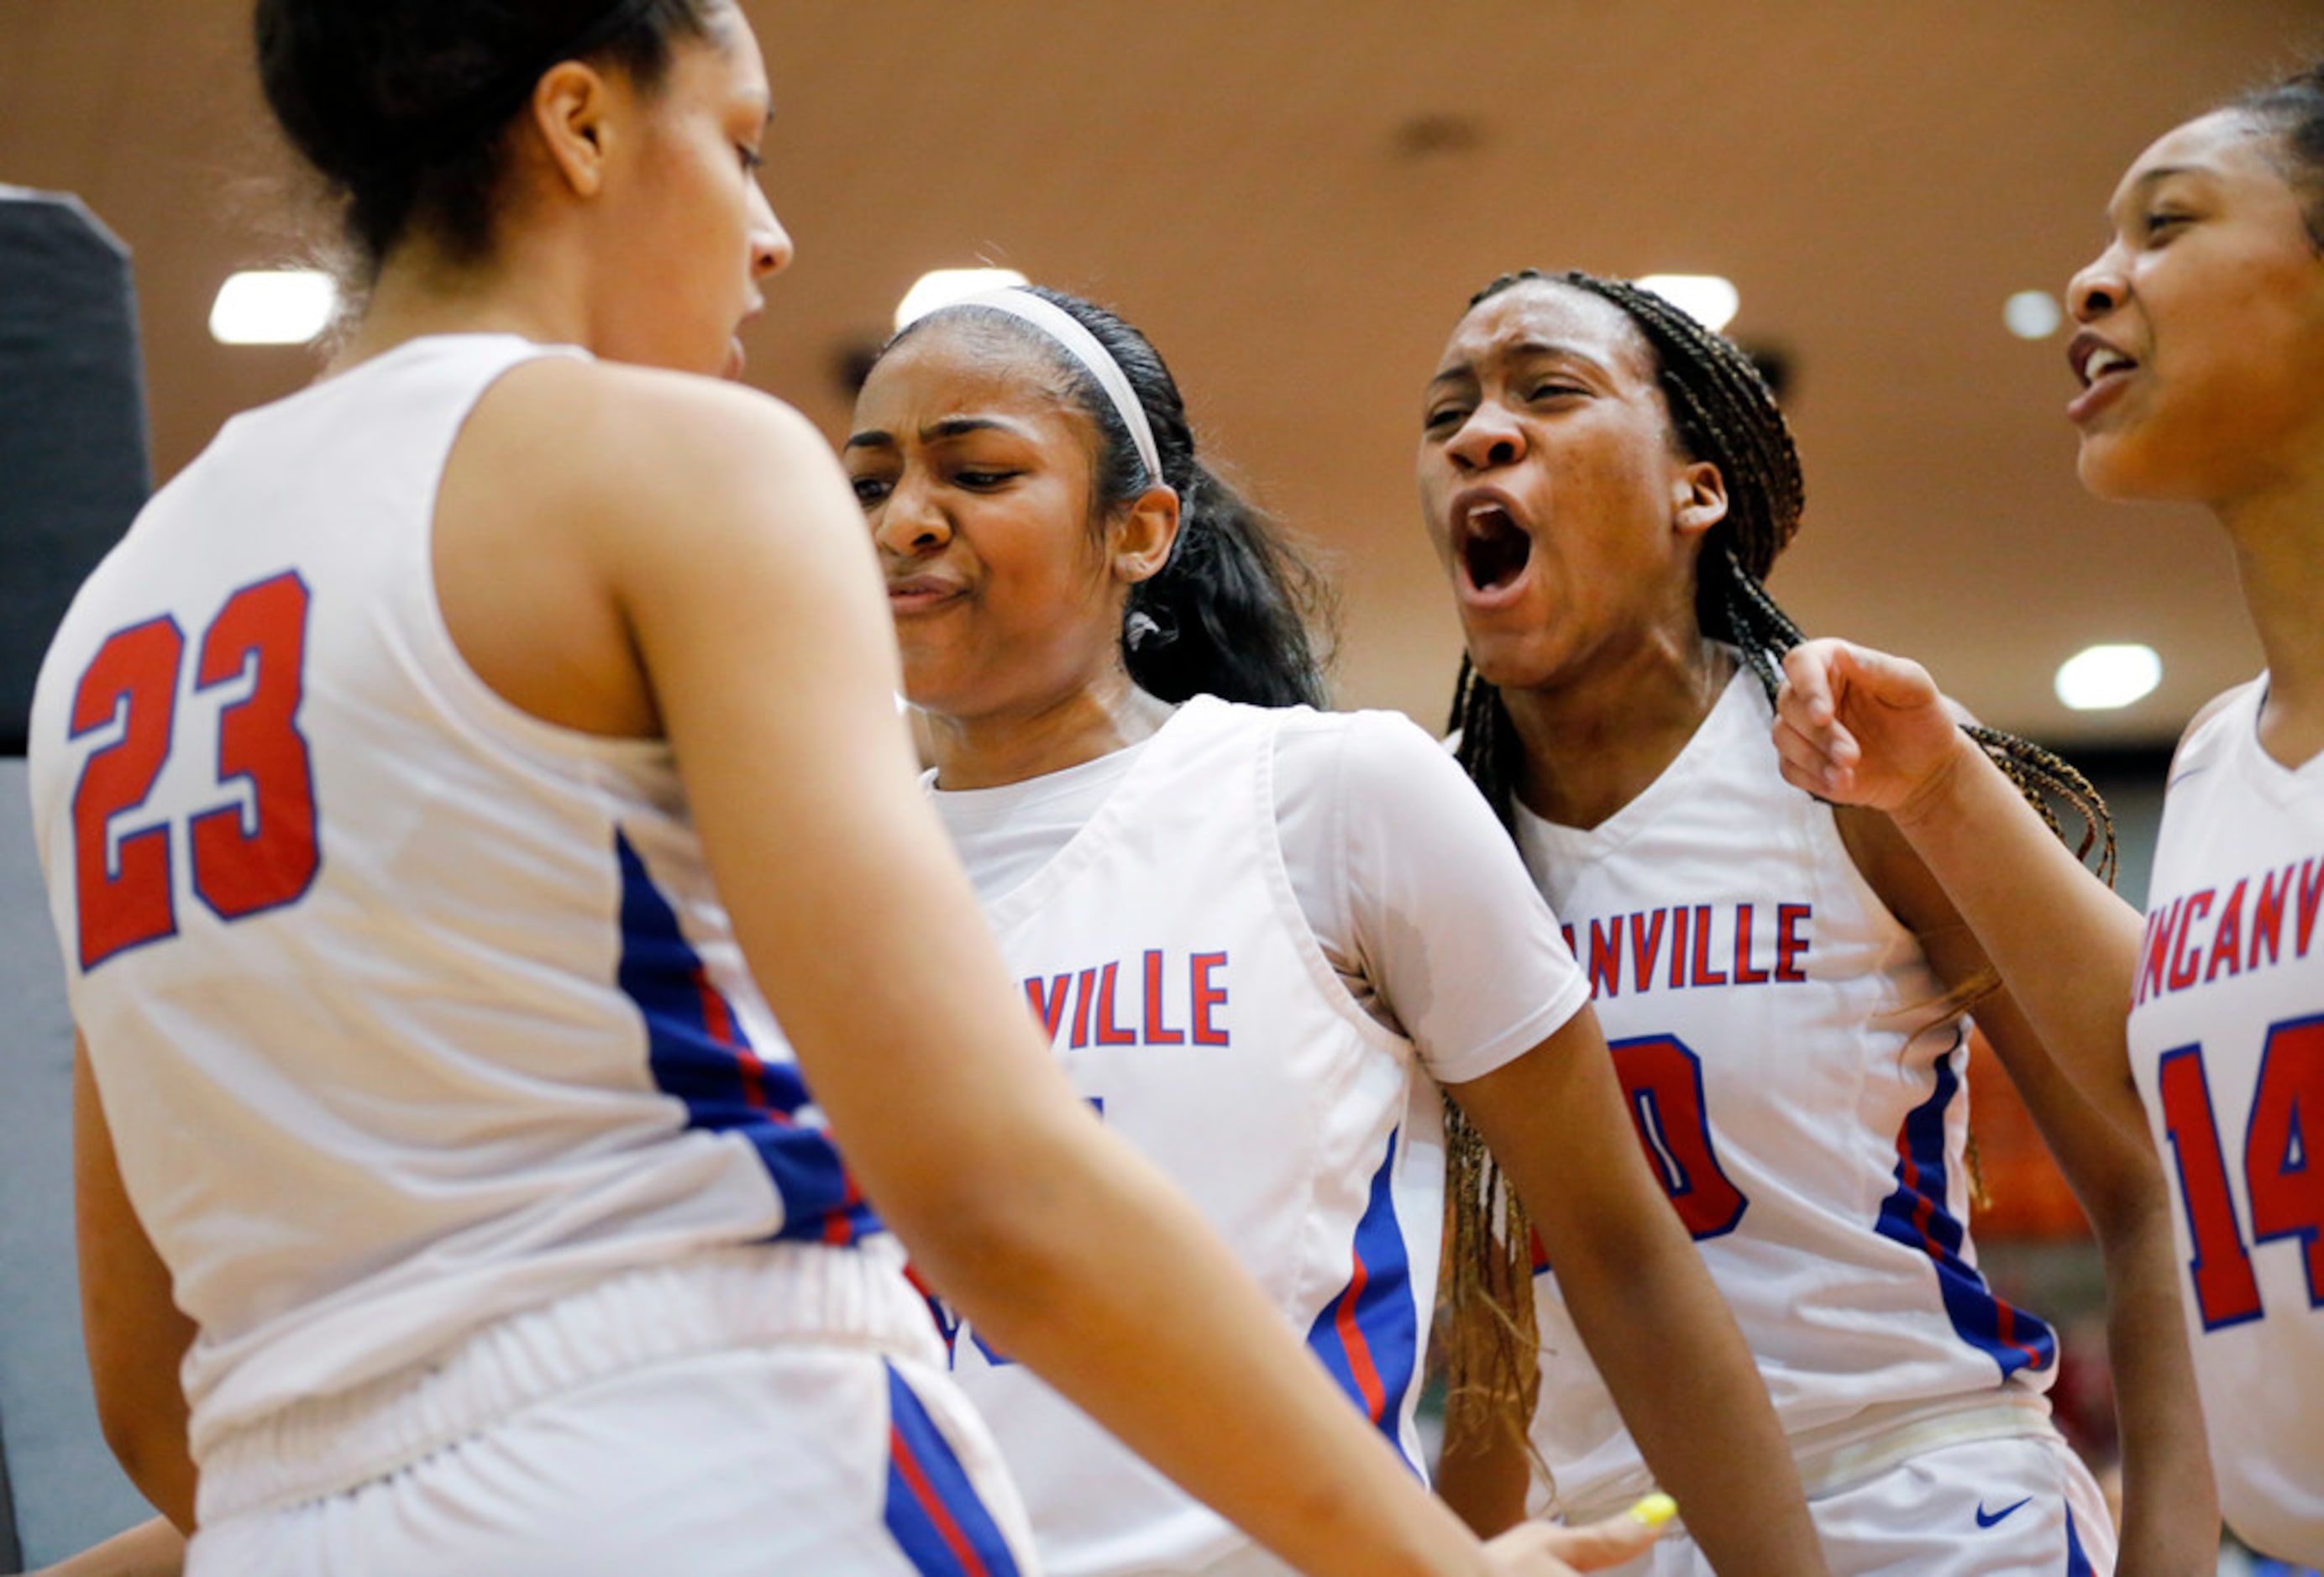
x,y
706,1303
1857,1448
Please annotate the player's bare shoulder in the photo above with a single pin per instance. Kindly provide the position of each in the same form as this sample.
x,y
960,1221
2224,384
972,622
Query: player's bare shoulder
x,y
625,460
625,433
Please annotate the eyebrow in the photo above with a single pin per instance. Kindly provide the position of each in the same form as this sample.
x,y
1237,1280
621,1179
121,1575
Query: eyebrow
x,y
951,426
1521,350
2148,180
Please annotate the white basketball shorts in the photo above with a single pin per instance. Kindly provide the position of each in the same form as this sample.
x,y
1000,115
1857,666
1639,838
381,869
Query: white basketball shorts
x,y
2020,1507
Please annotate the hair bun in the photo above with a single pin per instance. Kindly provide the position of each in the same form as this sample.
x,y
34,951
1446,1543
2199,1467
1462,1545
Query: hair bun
x,y
395,102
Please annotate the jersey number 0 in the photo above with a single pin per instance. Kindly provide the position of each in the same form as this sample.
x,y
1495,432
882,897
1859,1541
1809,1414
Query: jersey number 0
x,y
244,860
1662,1081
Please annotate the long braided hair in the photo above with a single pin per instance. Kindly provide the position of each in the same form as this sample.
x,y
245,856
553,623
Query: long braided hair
x,y
1722,411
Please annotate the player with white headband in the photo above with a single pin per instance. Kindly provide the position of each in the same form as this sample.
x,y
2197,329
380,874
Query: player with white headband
x,y
1262,939
427,785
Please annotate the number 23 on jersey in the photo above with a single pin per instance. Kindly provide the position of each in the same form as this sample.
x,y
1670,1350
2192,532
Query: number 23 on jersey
x,y
247,853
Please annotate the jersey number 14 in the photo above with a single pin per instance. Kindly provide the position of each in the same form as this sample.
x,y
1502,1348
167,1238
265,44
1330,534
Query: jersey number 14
x,y
2286,1191
243,861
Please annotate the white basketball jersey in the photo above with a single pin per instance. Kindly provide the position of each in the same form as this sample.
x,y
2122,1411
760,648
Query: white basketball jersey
x,y
409,1010
1167,956
2227,1043
1801,1095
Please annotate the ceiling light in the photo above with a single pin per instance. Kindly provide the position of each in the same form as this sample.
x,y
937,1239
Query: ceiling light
x,y
943,286
2099,678
273,307
2032,314
1706,297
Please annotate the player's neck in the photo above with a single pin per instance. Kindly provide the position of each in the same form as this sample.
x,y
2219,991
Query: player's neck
x,y
2279,540
1018,744
422,292
1593,745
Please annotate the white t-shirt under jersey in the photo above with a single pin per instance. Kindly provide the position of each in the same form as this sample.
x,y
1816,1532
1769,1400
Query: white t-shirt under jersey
x,y
1396,862
1257,943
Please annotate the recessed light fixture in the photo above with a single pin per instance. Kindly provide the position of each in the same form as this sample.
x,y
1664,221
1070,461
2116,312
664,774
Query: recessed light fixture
x,y
2100,678
286,306
2032,314
942,287
1706,297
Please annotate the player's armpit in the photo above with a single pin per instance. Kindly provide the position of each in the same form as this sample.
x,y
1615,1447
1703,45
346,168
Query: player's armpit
x,y
2058,941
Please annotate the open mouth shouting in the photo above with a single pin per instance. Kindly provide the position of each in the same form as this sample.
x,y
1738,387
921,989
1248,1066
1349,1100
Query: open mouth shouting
x,y
1491,544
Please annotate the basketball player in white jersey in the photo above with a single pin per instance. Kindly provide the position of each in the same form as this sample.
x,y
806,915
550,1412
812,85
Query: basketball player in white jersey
x,y
1606,482
422,793
1259,937
2201,363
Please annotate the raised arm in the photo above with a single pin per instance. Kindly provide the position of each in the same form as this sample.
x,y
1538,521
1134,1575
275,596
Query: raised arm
x,y
2172,1517
1646,1306
1860,727
740,565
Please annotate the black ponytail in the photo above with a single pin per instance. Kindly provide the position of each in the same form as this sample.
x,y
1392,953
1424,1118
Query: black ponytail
x,y
1229,615
401,106
1236,610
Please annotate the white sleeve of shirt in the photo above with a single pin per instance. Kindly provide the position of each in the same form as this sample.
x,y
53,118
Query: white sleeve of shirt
x,y
1417,894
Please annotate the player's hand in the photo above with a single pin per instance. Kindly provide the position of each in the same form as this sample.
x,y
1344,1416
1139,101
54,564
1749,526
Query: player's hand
x,y
1857,727
1543,1549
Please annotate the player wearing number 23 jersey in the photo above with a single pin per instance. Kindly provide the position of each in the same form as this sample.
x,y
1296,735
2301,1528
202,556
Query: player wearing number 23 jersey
x,y
431,1013
2227,1043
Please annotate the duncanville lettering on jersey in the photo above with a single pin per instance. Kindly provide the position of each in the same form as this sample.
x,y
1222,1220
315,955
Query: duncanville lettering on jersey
x,y
2198,936
1696,945
1135,1002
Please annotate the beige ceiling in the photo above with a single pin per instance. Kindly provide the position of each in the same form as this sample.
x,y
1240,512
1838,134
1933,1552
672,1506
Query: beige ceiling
x,y
1293,198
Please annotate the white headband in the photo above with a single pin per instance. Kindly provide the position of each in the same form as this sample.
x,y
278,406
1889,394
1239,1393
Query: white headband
x,y
1083,346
